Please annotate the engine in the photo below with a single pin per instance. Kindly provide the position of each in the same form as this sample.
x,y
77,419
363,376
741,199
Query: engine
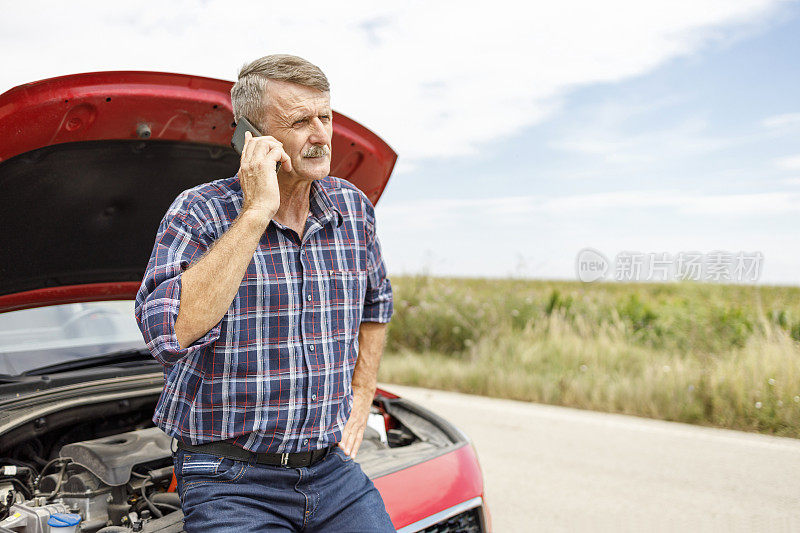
x,y
113,484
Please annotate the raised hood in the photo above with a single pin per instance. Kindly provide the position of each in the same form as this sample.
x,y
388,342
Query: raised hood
x,y
89,164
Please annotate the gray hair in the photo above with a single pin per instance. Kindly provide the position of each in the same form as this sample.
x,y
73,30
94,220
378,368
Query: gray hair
x,y
248,94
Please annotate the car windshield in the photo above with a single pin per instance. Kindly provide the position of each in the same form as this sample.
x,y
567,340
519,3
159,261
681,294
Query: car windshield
x,y
44,336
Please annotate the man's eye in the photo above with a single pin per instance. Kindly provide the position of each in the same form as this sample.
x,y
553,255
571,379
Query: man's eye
x,y
325,118
299,122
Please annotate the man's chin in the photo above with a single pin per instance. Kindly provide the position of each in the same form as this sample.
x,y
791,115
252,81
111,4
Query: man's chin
x,y
312,176
317,171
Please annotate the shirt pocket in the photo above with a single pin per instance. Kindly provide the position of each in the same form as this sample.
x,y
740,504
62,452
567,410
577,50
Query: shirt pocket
x,y
346,302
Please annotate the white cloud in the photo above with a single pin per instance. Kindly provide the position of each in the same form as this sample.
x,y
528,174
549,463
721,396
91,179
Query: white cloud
x,y
538,236
788,163
734,205
605,135
403,166
434,79
779,121
512,209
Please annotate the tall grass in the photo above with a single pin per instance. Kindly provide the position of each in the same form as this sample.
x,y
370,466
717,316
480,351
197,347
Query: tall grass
x,y
718,355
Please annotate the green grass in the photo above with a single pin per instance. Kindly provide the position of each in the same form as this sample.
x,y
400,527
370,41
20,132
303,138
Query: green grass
x,y
717,355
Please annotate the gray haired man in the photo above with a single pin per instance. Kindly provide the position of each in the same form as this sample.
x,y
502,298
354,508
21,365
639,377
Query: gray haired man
x,y
266,300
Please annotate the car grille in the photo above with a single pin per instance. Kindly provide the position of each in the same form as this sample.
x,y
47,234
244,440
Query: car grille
x,y
466,522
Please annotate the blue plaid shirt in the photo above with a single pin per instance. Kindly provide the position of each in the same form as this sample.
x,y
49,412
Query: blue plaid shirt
x,y
275,373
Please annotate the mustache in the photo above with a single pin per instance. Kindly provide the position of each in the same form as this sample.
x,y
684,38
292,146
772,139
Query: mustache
x,y
317,150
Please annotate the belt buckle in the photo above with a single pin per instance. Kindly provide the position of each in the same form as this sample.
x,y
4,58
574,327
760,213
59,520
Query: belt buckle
x,y
284,459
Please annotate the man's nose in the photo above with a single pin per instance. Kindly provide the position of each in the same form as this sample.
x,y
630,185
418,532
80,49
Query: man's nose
x,y
319,134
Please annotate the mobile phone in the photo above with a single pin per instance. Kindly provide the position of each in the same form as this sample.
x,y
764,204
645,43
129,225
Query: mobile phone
x,y
237,141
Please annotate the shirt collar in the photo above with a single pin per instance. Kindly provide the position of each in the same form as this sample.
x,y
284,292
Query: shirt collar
x,y
321,205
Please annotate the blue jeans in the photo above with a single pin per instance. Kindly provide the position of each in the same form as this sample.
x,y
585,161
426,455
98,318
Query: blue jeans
x,y
334,494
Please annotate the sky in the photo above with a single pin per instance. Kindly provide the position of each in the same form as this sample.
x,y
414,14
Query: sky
x,y
525,132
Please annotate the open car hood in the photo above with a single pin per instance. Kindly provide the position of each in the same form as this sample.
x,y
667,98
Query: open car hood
x,y
89,164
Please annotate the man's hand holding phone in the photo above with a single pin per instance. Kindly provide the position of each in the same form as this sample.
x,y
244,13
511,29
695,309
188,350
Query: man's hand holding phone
x,y
258,174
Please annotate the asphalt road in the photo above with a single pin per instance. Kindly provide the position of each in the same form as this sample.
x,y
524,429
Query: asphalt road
x,y
550,468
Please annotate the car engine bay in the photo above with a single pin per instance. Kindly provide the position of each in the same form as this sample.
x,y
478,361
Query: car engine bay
x,y
121,478
118,482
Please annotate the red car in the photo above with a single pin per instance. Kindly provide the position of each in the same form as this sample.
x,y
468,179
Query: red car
x,y
89,164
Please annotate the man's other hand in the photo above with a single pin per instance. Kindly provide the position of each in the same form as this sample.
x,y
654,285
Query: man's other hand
x,y
371,337
353,431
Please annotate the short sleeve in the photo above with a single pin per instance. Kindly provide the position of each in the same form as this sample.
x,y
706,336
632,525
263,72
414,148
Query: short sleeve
x,y
181,240
378,303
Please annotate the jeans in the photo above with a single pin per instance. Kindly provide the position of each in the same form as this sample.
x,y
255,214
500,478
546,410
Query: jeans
x,y
221,494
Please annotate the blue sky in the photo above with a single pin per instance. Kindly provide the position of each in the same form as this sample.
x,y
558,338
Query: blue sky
x,y
525,134
694,155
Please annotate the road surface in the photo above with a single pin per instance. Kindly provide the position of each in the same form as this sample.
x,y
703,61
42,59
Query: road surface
x,y
549,468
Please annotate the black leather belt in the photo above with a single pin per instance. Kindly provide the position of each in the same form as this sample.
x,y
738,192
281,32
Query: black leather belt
x,y
231,451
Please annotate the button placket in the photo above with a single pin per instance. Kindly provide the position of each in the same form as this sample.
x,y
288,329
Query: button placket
x,y
307,322
313,352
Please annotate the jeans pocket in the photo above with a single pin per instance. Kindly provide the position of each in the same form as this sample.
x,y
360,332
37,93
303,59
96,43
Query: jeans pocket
x,y
339,453
195,468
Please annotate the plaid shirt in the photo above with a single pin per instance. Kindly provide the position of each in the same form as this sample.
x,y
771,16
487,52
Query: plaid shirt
x,y
275,373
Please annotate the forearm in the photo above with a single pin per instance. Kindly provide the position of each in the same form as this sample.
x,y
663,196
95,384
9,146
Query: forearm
x,y
371,337
371,340
209,286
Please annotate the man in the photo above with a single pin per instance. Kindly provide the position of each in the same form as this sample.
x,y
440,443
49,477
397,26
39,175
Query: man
x,y
266,300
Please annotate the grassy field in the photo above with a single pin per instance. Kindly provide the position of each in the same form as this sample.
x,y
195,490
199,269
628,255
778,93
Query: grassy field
x,y
717,355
